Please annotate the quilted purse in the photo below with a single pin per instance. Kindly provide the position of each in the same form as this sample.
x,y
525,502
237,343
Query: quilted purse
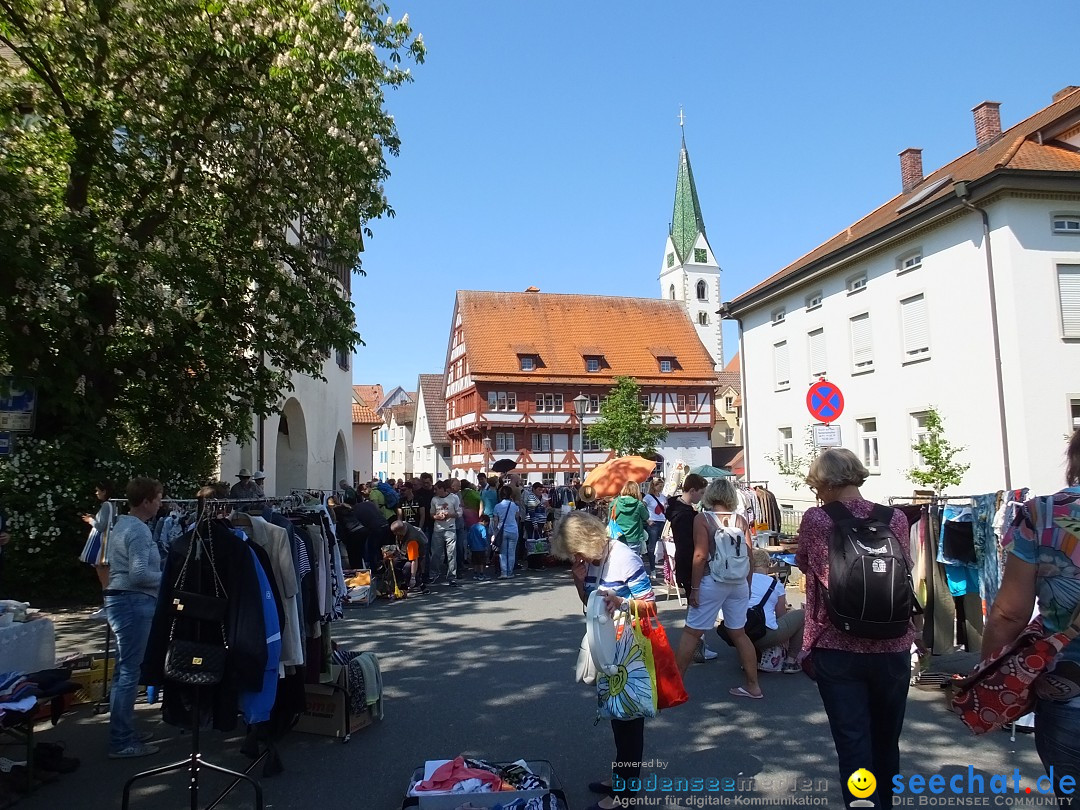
x,y
1003,688
187,661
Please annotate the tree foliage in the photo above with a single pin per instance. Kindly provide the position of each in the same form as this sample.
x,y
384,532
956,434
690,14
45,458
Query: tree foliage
x,y
625,425
938,470
182,184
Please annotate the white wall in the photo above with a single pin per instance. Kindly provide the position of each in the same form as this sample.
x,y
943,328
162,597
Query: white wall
x,y
400,449
325,411
362,452
689,446
958,375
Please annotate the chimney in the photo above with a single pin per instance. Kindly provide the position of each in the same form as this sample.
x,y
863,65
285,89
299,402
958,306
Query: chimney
x,y
1064,91
532,289
910,168
987,123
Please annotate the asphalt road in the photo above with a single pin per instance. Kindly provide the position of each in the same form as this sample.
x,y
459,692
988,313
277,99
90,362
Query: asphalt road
x,y
486,670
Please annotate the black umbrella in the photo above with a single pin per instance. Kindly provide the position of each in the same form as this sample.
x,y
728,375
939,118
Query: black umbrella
x,y
503,465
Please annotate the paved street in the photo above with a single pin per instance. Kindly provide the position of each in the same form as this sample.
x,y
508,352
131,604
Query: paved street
x,y
487,671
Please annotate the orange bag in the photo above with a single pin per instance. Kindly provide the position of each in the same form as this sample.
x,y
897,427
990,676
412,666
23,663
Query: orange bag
x,y
669,683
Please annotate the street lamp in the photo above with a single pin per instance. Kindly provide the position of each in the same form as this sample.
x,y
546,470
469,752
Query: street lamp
x,y
581,402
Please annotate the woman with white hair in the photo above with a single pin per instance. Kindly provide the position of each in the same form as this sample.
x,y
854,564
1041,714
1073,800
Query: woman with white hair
x,y
599,561
708,597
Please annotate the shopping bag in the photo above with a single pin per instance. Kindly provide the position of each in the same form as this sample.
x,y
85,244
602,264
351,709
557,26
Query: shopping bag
x,y
670,690
627,690
771,659
585,671
91,553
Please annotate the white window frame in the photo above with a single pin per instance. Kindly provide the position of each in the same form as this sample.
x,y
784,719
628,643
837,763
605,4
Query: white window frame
x,y
593,405
912,260
1068,289
823,359
1074,412
856,283
646,403
914,338
813,301
729,403
541,442
592,364
528,362
786,443
781,371
918,432
504,443
591,445
666,366
779,315
869,446
682,403
866,364
1067,224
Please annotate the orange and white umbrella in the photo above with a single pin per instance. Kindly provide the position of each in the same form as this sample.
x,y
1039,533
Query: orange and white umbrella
x,y
609,478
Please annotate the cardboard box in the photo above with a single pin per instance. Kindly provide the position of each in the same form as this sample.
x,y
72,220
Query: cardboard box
x,y
324,711
89,672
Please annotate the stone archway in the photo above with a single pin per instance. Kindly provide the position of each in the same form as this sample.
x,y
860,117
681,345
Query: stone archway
x,y
292,449
341,462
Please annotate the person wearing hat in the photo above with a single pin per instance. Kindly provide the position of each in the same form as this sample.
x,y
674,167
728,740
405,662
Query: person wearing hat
x,y
258,478
586,499
245,487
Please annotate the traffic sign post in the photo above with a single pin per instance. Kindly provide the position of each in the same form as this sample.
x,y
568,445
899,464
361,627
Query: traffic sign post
x,y
827,435
825,401
18,402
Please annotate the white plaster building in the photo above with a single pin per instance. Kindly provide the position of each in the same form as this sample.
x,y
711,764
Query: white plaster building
x,y
307,444
904,310
399,438
431,446
364,420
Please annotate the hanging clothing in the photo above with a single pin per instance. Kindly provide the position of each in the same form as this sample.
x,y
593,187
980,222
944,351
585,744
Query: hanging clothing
x,y
274,540
257,705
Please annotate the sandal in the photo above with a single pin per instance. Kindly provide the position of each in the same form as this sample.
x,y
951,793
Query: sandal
x,y
790,667
740,691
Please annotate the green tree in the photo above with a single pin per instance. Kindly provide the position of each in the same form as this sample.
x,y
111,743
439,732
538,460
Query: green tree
x,y
938,470
184,188
625,425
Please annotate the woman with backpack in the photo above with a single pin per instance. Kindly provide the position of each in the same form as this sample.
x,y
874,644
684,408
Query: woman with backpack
x,y
720,581
863,681
632,517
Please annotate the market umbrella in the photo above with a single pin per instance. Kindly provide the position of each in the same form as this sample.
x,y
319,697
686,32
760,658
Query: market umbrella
x,y
503,465
709,471
610,477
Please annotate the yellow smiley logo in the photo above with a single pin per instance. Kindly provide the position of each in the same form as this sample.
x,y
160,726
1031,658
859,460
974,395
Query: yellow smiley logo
x,y
861,783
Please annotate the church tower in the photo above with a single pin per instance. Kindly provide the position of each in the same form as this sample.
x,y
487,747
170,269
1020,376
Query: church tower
x,y
689,272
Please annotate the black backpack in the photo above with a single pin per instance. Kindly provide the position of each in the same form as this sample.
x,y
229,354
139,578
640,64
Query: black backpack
x,y
870,593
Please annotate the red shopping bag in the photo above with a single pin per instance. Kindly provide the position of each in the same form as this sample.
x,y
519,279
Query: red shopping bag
x,y
669,683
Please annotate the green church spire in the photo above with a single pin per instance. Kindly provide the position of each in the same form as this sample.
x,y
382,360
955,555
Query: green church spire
x,y
686,220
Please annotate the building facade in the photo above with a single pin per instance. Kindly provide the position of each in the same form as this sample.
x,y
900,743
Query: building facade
x,y
960,294
509,394
399,439
431,445
364,419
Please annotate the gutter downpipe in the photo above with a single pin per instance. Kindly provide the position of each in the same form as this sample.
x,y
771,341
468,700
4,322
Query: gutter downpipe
x,y
725,313
962,193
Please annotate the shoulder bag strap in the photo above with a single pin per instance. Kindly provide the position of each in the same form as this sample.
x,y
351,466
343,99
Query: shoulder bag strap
x,y
838,512
768,593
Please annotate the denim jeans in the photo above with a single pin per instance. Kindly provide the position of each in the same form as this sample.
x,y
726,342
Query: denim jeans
x,y
865,695
508,554
654,531
1057,739
129,615
986,547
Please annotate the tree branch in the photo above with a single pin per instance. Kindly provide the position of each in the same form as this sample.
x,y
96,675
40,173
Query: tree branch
x,y
43,71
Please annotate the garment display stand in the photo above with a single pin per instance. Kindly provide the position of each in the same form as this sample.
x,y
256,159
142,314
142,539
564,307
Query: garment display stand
x,y
195,763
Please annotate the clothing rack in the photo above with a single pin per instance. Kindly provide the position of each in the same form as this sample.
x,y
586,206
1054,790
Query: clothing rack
x,y
194,762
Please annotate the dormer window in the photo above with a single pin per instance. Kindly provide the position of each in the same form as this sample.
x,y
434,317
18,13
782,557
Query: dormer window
x,y
909,261
813,301
592,364
1067,224
528,362
666,365
702,291
856,283
778,315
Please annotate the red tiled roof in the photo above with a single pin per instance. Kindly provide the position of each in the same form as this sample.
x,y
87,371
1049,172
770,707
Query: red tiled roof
x,y
433,387
563,329
734,364
1018,148
363,414
370,395
403,414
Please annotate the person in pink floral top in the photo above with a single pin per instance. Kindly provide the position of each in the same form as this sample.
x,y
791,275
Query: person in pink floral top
x,y
863,682
1043,546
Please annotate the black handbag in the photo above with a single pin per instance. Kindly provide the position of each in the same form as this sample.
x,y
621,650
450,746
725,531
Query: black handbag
x,y
755,627
190,662
195,663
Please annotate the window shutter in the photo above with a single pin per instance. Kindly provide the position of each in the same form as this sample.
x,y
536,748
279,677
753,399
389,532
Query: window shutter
x,y
1069,293
817,352
915,325
862,347
781,366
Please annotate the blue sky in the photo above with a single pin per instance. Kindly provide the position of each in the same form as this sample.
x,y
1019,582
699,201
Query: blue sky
x,y
540,140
